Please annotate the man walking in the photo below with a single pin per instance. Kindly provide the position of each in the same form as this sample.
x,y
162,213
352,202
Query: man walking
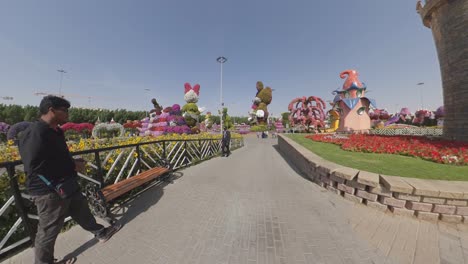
x,y
47,163
225,142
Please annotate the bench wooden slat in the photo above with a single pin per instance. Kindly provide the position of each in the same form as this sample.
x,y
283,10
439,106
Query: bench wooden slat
x,y
138,177
115,190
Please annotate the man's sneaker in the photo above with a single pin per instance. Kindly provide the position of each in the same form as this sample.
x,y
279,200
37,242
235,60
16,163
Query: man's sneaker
x,y
109,232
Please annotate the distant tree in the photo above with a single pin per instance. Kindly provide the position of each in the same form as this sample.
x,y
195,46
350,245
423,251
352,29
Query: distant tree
x,y
285,118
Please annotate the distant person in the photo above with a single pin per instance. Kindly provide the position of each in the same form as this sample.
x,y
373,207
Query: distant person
x,y
48,165
225,142
258,134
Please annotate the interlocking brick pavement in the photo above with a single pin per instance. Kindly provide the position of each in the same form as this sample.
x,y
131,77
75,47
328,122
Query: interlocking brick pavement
x,y
253,207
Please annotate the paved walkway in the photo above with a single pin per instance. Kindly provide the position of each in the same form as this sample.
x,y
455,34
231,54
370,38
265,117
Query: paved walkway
x,y
253,207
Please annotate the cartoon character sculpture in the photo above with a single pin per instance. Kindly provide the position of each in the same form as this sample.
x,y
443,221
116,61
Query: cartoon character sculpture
x,y
259,110
208,120
157,108
190,110
352,104
307,112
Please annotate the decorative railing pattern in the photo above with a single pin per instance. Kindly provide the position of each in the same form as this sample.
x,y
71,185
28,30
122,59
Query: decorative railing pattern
x,y
105,166
408,131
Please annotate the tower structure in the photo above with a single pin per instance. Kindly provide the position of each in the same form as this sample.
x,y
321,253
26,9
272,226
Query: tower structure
x,y
448,20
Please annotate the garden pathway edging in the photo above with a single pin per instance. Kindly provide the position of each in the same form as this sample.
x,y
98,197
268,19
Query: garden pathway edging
x,y
431,200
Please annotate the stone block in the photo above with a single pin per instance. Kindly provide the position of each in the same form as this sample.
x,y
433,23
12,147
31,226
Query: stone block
x,y
451,218
328,167
433,200
426,207
465,219
368,178
450,190
427,216
352,198
356,185
325,179
336,179
366,195
457,202
381,190
396,184
376,205
321,184
346,173
401,211
444,209
423,187
408,197
392,201
462,210
333,190
345,188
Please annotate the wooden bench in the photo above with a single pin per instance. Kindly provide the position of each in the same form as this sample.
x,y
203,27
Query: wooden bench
x,y
100,199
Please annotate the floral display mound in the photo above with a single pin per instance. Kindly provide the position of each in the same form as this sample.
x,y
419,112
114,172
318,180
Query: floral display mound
x,y
74,131
440,151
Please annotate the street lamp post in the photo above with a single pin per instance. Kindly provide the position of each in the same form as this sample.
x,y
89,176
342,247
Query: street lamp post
x,y
61,79
421,92
148,93
221,61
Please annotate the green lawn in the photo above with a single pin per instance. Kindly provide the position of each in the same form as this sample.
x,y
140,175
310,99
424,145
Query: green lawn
x,y
384,163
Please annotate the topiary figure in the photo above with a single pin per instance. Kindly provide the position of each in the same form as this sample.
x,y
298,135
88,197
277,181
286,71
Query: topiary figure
x,y
226,119
190,111
261,101
157,108
208,120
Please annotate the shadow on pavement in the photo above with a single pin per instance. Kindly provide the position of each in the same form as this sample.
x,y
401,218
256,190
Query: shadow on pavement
x,y
128,209
75,253
131,208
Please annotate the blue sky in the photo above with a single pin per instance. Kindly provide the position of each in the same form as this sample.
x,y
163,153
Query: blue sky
x,y
113,50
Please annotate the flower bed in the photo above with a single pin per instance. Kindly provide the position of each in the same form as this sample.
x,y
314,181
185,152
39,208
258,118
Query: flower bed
x,y
440,151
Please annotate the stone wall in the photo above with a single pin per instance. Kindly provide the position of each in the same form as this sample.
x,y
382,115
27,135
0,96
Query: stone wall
x,y
425,199
448,20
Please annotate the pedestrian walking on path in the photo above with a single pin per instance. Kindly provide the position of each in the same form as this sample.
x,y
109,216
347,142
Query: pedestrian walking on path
x,y
52,180
225,142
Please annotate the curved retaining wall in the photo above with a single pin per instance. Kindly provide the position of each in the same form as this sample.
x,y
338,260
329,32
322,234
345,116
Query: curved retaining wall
x,y
425,199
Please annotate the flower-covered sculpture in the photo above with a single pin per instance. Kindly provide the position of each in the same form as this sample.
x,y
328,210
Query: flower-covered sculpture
x,y
15,130
227,123
169,121
403,117
157,108
259,110
208,120
108,130
307,112
3,130
74,131
190,110
352,104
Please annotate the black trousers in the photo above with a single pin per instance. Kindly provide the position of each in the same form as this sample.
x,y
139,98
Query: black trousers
x,y
225,148
52,211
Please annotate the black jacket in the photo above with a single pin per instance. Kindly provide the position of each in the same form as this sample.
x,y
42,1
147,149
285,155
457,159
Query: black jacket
x,y
226,136
45,152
